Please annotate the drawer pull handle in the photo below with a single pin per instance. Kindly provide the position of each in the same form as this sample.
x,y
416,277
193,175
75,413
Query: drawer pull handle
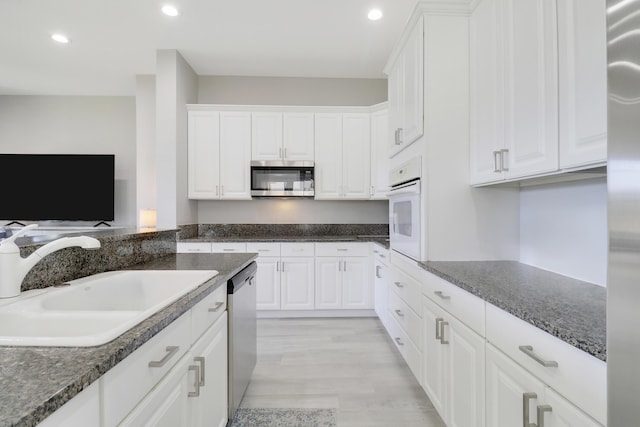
x,y
228,250
196,383
399,341
398,284
526,397
217,307
442,325
438,320
528,350
378,272
442,295
541,410
201,361
399,313
342,250
171,350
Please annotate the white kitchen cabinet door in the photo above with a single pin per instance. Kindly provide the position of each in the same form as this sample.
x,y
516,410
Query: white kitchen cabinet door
x,y
380,165
166,405
582,50
434,373
328,283
328,155
81,411
208,401
268,280
406,92
531,88
356,283
297,283
506,386
486,92
298,140
564,414
266,136
356,140
204,154
235,155
381,287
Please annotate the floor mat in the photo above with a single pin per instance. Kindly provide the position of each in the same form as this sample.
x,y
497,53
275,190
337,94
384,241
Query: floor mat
x,y
284,417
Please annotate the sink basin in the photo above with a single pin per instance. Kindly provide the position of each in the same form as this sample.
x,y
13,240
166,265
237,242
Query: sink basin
x,y
96,309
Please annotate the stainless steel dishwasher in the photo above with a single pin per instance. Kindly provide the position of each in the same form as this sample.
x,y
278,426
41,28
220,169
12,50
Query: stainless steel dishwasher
x,y
241,305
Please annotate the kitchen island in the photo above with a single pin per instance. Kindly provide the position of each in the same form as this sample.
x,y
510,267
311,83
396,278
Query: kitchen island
x,y
36,381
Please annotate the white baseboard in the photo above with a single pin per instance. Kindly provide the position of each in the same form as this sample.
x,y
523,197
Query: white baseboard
x,y
276,314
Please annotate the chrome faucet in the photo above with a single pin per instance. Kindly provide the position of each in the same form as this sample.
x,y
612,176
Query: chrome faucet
x,y
14,268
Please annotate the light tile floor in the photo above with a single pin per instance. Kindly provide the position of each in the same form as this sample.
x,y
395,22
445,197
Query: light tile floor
x,y
345,363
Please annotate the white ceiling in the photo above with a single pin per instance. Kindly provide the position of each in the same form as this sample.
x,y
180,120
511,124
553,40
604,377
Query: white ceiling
x,y
112,41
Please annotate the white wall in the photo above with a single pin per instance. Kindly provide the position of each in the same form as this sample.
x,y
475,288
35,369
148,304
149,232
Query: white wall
x,y
145,143
77,124
563,228
292,91
291,211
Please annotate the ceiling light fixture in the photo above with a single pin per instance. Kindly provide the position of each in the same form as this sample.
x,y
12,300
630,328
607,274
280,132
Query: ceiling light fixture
x,y
60,38
374,14
170,10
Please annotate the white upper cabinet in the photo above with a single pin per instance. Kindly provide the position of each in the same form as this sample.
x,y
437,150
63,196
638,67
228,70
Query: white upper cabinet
x,y
538,88
342,156
514,91
282,136
219,146
582,45
406,93
379,155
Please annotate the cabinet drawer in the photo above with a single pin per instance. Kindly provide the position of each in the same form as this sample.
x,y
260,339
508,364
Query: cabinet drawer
x,y
569,378
408,320
468,308
264,248
217,247
186,247
130,380
380,253
407,288
297,249
412,355
207,311
342,249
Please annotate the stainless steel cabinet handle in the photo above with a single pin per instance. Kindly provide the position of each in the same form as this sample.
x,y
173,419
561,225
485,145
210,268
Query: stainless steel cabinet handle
x,y
201,361
528,350
196,393
398,284
399,313
540,412
342,250
217,191
216,307
344,265
526,397
277,265
378,272
400,141
282,266
442,295
171,350
399,341
339,265
228,250
285,152
497,164
438,330
397,140
442,325
504,159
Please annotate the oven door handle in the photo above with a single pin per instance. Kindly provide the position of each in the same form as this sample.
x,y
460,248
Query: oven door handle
x,y
412,187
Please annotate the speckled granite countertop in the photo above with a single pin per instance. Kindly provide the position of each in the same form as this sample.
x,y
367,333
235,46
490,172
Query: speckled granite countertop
x,y
35,381
382,240
569,309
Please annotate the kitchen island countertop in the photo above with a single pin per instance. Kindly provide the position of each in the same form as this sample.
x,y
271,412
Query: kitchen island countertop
x,y
36,381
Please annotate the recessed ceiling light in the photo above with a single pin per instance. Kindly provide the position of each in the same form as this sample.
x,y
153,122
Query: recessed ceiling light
x,y
374,14
170,10
60,38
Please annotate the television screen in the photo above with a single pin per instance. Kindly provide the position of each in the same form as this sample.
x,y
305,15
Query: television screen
x,y
65,187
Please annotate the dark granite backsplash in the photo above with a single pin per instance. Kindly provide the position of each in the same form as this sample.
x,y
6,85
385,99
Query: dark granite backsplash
x,y
118,250
249,230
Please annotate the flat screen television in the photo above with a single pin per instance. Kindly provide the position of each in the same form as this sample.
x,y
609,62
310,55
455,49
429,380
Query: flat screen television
x,y
61,187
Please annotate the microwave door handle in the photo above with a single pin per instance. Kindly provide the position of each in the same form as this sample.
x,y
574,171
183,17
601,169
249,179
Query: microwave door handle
x,y
394,220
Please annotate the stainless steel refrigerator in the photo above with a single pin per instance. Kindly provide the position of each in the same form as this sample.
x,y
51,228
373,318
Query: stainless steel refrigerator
x,y
623,180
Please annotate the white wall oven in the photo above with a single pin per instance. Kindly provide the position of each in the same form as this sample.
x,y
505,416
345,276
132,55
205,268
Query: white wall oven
x,y
404,209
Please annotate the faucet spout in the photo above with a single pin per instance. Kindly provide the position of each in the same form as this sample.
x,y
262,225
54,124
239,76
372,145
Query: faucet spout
x,y
14,268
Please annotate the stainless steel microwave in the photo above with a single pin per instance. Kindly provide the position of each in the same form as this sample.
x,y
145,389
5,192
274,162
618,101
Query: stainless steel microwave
x,y
276,178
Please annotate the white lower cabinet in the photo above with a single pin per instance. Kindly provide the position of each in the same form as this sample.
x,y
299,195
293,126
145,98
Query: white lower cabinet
x,y
453,371
297,283
343,276
268,275
81,411
380,282
515,397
